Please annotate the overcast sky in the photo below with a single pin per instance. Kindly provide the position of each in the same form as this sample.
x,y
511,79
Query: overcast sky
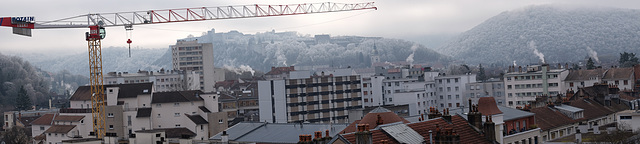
x,y
393,19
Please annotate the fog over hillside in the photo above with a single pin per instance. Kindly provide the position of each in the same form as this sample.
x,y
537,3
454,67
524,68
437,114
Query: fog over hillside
x,y
558,33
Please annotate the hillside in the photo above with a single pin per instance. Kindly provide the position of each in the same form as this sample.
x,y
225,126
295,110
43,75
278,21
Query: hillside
x,y
16,74
113,59
559,34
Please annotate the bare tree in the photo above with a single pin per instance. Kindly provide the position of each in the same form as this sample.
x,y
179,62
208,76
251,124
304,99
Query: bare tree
x,y
16,135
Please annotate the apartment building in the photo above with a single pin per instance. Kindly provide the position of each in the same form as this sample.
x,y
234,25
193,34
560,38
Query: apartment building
x,y
451,89
303,96
163,80
490,88
583,78
523,84
136,107
622,77
189,55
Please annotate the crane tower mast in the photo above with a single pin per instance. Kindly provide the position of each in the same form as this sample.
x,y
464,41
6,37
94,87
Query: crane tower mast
x,y
98,21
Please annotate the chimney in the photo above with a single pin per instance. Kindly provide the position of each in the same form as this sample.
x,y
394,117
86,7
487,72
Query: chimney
x,y
379,121
318,137
474,116
519,68
566,65
327,137
578,136
446,115
434,113
489,129
363,135
224,137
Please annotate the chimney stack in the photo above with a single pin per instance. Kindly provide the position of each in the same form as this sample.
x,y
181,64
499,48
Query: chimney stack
x,y
224,137
489,129
363,135
519,68
446,115
379,121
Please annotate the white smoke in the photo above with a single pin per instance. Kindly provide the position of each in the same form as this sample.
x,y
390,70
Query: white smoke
x,y
532,45
410,57
281,58
240,69
514,63
593,54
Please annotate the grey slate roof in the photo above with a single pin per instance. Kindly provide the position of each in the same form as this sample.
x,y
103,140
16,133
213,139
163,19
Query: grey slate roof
x,y
197,119
143,112
276,132
403,134
204,109
511,113
176,96
126,91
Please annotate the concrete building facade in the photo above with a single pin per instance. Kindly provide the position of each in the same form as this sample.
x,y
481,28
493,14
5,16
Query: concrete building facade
x,y
163,80
323,97
491,88
198,57
523,85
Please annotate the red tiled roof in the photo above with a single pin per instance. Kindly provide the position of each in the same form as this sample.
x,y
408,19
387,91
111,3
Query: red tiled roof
x,y
60,128
488,106
462,127
43,120
372,118
467,134
546,118
376,137
594,110
618,73
68,118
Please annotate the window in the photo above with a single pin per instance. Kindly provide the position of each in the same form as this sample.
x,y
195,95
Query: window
x,y
457,96
390,99
41,128
449,104
220,121
571,84
111,127
626,82
176,104
510,103
448,89
625,117
617,82
457,104
177,125
457,88
176,114
441,97
158,105
448,80
456,80
449,97
508,86
110,115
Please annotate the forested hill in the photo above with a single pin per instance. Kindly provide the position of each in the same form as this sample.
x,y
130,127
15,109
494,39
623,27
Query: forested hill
x,y
15,74
559,33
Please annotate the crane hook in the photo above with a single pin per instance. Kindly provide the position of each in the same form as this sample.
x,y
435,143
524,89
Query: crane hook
x,y
129,42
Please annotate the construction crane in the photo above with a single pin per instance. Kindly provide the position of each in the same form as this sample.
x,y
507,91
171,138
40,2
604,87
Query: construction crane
x,y
97,22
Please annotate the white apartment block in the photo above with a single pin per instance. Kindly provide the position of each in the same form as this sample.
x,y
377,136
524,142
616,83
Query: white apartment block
x,y
136,107
583,78
450,89
169,80
198,57
522,85
622,77
322,97
490,88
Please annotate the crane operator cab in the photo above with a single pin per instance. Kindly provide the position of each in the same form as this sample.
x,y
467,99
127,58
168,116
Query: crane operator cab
x,y
95,33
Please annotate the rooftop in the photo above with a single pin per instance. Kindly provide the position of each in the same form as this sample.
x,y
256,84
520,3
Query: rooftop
x,y
171,132
512,114
60,129
275,132
176,96
83,93
371,118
